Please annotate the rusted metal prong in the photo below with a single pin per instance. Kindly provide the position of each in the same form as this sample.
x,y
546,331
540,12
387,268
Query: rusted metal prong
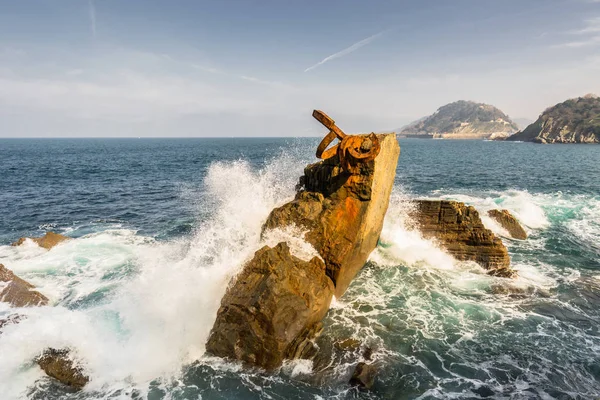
x,y
325,154
328,123
334,132
351,150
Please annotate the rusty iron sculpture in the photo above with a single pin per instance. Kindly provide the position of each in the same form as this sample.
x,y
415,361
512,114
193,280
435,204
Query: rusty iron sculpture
x,y
352,149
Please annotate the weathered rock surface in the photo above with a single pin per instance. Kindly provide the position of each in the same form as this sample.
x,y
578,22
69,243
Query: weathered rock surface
x,y
17,291
273,308
508,222
274,302
363,375
459,229
59,365
56,363
48,241
573,121
342,213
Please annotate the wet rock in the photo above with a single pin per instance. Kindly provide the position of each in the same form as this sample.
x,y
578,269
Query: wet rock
x,y
48,241
342,212
18,292
363,375
508,222
271,308
349,344
519,292
60,365
459,230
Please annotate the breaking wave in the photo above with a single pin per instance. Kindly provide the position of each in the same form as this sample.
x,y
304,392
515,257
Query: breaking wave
x,y
137,311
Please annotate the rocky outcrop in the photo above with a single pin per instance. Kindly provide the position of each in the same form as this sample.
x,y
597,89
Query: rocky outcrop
x,y
363,376
56,363
275,299
17,291
573,121
459,230
48,241
508,222
273,308
60,365
343,214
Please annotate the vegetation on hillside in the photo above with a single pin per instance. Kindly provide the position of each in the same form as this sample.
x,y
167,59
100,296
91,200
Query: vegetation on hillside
x,y
573,121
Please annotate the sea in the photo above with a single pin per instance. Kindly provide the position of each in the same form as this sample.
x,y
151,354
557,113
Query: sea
x,y
160,226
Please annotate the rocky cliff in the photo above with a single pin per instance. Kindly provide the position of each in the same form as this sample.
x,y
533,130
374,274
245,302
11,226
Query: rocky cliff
x,y
462,120
573,121
274,306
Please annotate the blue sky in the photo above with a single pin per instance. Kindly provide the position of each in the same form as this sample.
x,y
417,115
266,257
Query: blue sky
x,y
258,68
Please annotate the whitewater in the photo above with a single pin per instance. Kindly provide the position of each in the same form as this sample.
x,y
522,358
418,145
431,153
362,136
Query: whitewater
x,y
136,292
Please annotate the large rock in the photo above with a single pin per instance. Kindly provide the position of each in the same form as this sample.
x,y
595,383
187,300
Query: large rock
x,y
342,213
273,308
458,228
48,241
363,376
275,301
60,365
17,291
508,222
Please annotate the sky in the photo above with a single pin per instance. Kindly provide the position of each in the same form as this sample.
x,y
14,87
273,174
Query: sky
x,y
116,68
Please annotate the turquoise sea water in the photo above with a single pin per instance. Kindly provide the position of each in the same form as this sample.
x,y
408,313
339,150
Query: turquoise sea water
x,y
161,225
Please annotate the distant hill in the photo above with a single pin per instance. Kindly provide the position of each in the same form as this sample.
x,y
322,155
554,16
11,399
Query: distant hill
x,y
462,120
573,121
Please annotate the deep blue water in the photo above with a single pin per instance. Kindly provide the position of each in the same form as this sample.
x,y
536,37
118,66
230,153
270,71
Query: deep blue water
x,y
161,224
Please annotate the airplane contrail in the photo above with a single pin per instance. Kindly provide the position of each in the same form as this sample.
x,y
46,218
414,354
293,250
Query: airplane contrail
x,y
347,50
92,18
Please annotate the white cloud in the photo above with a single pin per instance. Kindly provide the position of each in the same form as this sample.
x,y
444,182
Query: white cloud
x,y
589,35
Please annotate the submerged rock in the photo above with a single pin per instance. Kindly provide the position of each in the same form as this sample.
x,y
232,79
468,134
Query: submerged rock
x,y
60,365
273,304
509,222
10,320
17,291
363,375
273,309
459,230
48,241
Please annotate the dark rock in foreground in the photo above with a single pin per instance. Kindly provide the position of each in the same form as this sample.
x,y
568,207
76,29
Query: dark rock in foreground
x,y
274,300
363,375
459,230
508,222
59,365
48,241
18,292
